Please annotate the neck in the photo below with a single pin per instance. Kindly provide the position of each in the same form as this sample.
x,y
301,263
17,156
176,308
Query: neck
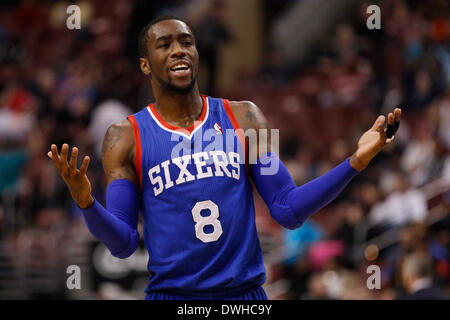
x,y
179,109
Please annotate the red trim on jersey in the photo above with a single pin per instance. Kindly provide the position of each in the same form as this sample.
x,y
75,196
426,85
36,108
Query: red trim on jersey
x,y
169,126
138,154
237,128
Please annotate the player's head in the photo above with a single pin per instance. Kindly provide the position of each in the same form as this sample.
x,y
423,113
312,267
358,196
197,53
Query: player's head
x,y
168,54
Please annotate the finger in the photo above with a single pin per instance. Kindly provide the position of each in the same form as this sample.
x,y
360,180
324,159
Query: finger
x,y
73,161
55,156
393,123
63,158
389,140
84,165
397,114
378,124
390,118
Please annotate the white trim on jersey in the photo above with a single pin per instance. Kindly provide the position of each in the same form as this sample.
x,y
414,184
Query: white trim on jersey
x,y
180,132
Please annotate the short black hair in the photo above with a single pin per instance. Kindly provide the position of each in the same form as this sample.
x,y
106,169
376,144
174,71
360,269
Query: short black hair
x,y
143,34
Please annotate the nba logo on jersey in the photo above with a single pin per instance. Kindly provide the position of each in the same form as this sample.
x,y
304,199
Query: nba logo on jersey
x,y
218,128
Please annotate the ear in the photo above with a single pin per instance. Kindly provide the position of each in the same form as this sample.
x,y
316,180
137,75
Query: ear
x,y
145,66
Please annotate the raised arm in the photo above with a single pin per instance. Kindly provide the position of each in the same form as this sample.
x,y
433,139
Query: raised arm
x,y
115,226
290,205
370,144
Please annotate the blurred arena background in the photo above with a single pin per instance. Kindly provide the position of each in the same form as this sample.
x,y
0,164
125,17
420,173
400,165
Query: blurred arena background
x,y
317,72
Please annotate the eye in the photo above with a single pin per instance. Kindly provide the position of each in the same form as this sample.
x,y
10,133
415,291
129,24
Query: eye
x,y
164,45
187,43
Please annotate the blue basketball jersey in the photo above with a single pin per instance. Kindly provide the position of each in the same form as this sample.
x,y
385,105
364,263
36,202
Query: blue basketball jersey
x,y
197,203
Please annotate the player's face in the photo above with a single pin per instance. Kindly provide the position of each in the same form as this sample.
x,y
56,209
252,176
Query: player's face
x,y
173,57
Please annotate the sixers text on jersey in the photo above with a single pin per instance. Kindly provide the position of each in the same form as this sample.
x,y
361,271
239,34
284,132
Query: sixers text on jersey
x,y
197,208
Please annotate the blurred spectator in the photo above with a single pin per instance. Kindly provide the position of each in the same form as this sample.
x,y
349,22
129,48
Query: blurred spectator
x,y
211,31
297,242
402,206
316,288
104,115
417,279
11,165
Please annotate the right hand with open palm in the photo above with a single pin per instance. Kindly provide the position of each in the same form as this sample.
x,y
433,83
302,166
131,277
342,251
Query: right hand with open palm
x,y
75,179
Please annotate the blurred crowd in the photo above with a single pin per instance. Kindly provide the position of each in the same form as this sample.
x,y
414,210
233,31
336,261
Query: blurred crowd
x,y
59,86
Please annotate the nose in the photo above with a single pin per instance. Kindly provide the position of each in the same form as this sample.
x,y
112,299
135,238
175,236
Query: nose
x,y
177,50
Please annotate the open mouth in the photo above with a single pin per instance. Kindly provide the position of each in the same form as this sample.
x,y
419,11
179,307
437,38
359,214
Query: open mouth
x,y
180,67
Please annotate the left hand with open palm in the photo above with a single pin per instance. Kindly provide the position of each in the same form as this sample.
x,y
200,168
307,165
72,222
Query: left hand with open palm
x,y
375,139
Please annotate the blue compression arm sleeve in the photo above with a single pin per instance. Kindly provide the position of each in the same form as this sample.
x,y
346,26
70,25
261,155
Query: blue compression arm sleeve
x,y
116,226
290,205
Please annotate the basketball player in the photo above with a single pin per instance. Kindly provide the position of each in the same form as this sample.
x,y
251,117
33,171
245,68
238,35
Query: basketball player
x,y
197,207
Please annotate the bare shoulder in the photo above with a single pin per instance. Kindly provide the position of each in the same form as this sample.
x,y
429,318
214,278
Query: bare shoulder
x,y
248,115
118,152
118,135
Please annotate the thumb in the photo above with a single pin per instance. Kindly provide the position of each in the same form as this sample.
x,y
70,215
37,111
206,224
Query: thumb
x,y
378,124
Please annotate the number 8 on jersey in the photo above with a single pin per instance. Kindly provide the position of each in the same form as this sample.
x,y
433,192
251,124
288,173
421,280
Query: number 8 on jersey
x,y
202,221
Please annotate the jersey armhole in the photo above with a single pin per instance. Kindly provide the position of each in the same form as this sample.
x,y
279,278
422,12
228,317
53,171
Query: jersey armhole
x,y
138,149
239,131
